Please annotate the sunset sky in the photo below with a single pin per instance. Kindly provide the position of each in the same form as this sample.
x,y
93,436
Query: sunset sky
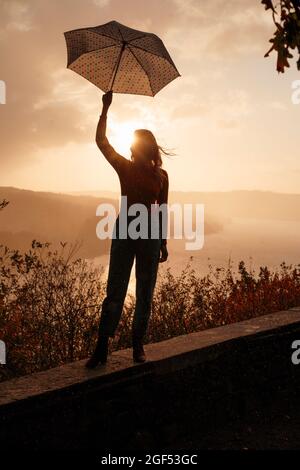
x,y
229,117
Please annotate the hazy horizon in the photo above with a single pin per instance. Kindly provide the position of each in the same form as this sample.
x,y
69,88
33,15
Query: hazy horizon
x,y
92,192
261,228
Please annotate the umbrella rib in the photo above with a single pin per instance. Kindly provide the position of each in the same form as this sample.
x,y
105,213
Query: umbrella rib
x,y
116,68
157,55
101,48
132,52
107,35
149,52
102,34
139,37
93,50
120,33
135,39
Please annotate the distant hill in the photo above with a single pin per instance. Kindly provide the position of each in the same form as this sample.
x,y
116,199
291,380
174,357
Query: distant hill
x,y
246,204
51,217
56,217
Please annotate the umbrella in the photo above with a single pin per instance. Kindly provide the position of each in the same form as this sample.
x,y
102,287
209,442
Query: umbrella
x,y
115,57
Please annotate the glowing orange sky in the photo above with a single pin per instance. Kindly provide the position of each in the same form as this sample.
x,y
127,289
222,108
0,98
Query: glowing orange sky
x,y
229,117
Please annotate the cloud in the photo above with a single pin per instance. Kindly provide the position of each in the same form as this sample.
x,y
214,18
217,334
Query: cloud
x,y
101,3
18,15
212,30
49,106
30,58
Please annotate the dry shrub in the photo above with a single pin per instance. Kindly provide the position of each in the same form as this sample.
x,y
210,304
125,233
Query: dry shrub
x,y
50,304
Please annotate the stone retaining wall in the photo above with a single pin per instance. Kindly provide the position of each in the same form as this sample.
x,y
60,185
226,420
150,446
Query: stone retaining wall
x,y
189,385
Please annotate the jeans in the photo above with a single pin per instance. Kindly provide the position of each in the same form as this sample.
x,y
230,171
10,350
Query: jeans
x,y
146,253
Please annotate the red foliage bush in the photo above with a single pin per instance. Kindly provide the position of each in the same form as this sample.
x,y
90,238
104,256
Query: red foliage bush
x,y
50,304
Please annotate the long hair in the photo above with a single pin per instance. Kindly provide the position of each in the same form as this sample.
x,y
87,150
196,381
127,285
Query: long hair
x,y
150,153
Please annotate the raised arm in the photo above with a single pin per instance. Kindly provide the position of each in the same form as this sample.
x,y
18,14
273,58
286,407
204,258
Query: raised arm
x,y
113,157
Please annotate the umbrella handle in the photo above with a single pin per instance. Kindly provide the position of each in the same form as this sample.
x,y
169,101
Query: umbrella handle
x,y
118,63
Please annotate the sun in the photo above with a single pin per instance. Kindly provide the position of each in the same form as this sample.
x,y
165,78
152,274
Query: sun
x,y
121,135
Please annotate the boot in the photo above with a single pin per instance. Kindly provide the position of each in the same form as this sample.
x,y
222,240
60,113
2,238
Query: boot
x,y
138,350
100,354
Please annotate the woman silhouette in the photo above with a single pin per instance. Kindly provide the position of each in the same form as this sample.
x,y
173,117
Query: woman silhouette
x,y
143,181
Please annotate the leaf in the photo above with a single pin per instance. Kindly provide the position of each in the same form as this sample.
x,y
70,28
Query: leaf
x,y
268,4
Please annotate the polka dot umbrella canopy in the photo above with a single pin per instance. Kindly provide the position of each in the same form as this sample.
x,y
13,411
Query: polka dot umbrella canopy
x,y
118,58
